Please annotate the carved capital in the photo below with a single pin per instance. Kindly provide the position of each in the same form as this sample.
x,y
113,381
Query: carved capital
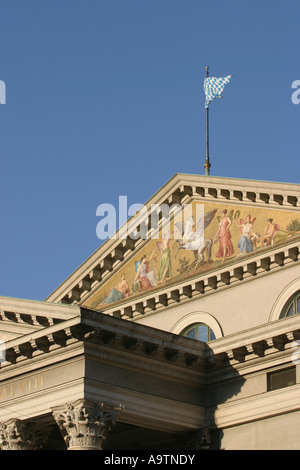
x,y
16,434
84,424
199,439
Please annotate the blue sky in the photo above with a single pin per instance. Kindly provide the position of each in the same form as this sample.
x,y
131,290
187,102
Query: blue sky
x,y
105,98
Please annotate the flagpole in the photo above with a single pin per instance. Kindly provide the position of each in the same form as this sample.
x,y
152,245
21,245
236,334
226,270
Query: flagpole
x,y
207,164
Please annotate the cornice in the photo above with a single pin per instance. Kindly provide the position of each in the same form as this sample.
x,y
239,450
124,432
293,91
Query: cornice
x,y
180,189
144,341
110,332
35,312
243,349
20,317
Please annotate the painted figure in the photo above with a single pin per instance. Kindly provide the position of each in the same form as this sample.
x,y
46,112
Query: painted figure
x,y
144,277
245,242
224,236
270,232
165,266
120,292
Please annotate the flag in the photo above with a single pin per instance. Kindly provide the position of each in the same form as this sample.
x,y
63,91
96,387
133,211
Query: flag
x,y
213,88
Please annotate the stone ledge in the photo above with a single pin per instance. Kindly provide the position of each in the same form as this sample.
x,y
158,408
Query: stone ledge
x,y
257,407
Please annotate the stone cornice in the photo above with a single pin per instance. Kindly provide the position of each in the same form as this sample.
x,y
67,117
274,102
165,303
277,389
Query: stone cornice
x,y
108,331
260,342
20,317
34,312
144,341
179,190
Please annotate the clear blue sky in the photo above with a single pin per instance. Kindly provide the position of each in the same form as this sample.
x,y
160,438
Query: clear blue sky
x,y
105,98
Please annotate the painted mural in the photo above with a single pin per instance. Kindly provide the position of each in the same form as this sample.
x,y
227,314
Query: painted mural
x,y
227,232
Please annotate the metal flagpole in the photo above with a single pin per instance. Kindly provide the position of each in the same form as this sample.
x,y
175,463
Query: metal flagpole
x,y
207,164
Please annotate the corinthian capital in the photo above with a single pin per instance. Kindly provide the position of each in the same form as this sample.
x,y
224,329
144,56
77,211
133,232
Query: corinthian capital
x,y
84,424
16,434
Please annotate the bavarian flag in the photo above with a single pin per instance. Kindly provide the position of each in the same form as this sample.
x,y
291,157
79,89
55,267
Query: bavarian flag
x,y
214,87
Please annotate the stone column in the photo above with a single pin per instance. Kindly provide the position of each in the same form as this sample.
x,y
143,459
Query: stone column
x,y
84,424
16,434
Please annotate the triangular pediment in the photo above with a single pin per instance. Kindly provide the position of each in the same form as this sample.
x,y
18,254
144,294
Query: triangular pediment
x,y
244,220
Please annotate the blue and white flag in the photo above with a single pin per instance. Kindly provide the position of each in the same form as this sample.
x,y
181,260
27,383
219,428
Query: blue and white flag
x,y
213,88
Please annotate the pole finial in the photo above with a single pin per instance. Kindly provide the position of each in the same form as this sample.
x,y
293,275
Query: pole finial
x,y
207,166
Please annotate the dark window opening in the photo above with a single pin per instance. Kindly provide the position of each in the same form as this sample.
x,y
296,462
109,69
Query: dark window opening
x,y
281,378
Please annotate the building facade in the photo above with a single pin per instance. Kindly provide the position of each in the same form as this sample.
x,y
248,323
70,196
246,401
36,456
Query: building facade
x,y
180,332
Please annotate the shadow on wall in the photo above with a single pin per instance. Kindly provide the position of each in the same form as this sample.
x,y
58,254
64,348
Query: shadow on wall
x,y
223,383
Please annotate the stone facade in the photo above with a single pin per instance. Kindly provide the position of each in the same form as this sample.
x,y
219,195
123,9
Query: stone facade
x,y
123,377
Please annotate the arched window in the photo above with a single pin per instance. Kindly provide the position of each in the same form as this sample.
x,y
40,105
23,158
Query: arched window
x,y
292,306
199,331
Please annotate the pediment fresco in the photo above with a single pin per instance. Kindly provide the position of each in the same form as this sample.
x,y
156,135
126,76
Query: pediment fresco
x,y
231,233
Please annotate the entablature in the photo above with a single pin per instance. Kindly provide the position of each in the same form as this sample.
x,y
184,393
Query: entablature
x,y
116,334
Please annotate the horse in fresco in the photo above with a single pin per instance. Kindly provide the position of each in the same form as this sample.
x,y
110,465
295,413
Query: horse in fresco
x,y
193,238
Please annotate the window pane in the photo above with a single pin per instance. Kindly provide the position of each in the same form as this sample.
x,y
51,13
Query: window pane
x,y
290,311
192,334
202,333
211,335
298,304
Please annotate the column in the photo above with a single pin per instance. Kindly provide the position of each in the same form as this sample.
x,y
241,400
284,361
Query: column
x,y
16,434
85,424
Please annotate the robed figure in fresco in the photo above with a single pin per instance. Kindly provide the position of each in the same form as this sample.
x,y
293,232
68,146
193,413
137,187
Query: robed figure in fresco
x,y
224,236
120,292
165,266
145,277
246,228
